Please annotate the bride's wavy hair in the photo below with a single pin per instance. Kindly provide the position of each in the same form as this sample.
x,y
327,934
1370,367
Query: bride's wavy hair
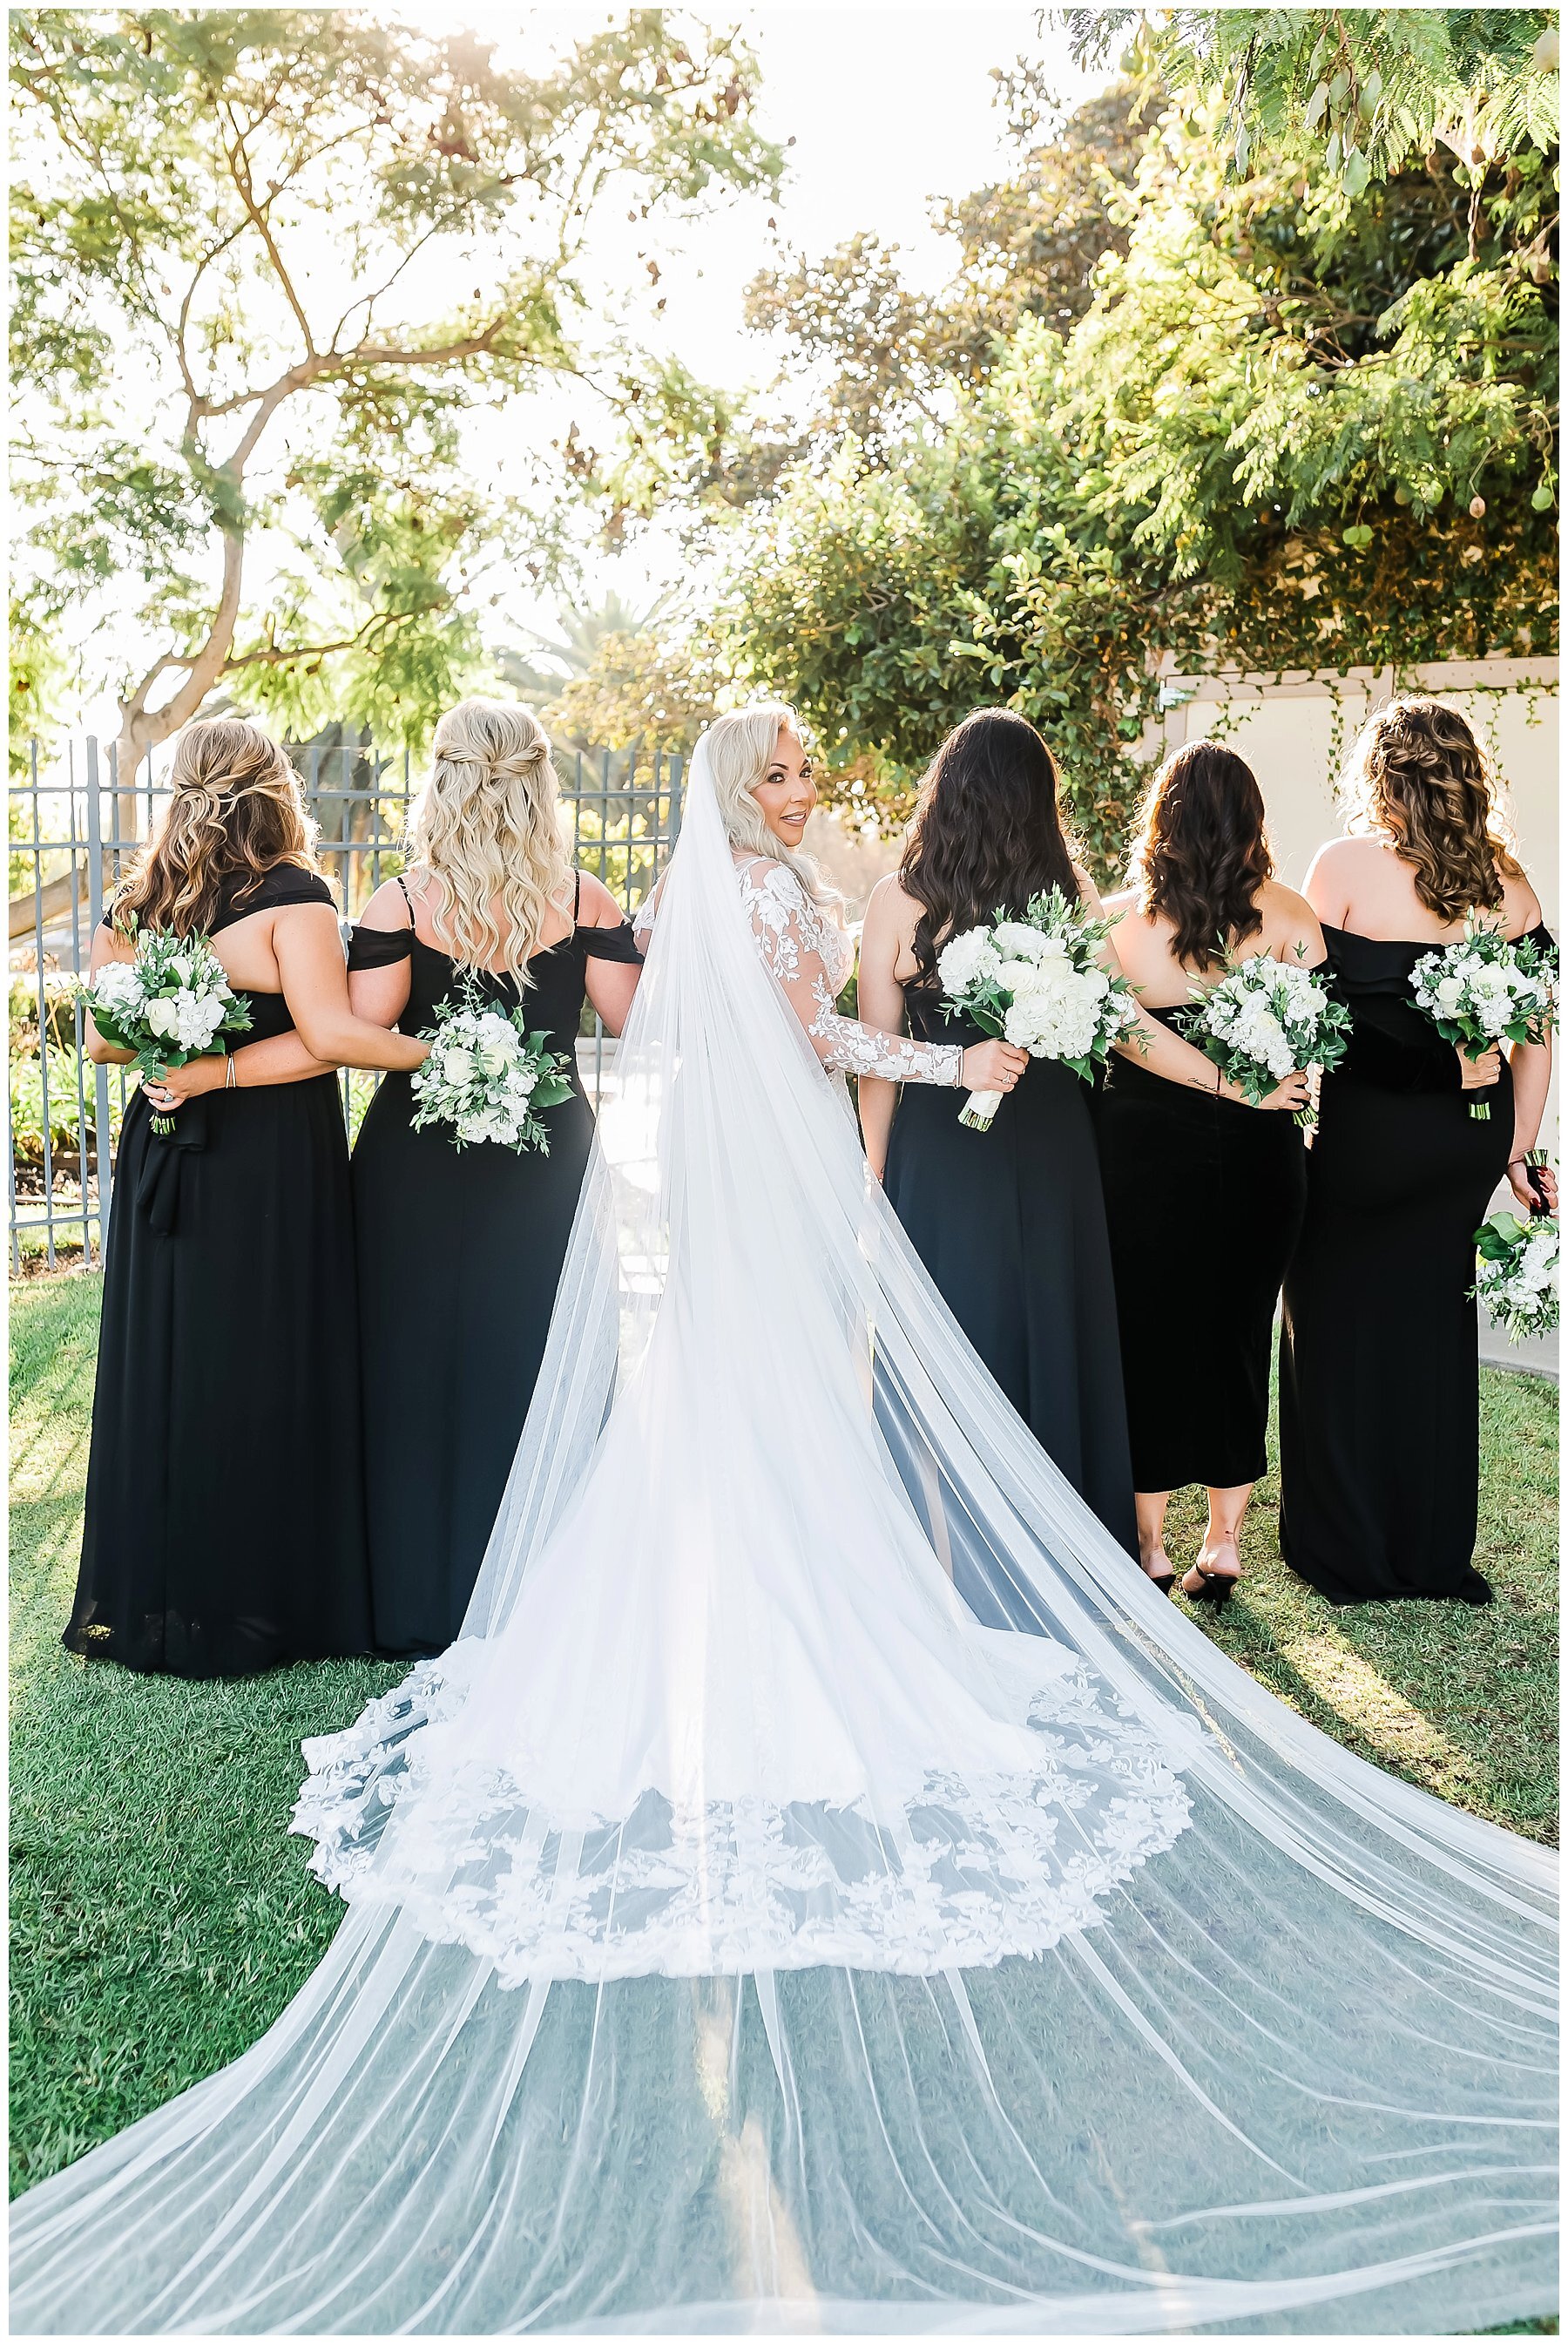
x,y
236,811
987,833
1201,852
1416,777
740,746
487,829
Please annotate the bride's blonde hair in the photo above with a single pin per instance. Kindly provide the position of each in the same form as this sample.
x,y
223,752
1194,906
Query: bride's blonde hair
x,y
487,829
740,748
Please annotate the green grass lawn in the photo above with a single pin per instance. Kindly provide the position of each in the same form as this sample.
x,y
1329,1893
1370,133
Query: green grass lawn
x,y
161,1917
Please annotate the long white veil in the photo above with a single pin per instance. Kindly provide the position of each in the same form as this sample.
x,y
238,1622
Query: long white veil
x,y
827,1887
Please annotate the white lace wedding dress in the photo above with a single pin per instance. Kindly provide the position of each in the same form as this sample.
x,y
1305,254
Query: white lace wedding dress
x,y
825,1885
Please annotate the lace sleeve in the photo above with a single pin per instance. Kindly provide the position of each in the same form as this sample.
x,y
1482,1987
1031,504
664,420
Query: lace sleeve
x,y
794,941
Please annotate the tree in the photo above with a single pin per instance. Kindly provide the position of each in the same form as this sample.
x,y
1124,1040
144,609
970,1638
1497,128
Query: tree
x,y
270,261
1369,90
1296,427
641,687
889,359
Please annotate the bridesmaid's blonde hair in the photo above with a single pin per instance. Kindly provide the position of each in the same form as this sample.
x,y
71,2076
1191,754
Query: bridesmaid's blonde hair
x,y
487,830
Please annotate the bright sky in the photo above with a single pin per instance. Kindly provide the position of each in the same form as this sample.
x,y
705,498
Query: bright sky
x,y
890,108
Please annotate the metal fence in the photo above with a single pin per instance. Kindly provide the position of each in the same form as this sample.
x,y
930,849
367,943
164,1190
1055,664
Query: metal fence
x,y
73,826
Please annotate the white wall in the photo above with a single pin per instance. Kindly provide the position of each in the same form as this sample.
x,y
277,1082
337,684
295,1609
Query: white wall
x,y
1286,732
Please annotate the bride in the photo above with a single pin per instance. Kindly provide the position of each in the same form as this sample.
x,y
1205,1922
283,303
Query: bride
x,y
825,1886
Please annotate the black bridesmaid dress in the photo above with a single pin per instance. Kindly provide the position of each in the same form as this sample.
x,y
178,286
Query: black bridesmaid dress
x,y
224,1526
1379,1375
460,1252
1204,1199
1011,1223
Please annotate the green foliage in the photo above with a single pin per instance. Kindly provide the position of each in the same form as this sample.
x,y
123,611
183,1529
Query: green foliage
x,y
1293,429
268,263
1369,91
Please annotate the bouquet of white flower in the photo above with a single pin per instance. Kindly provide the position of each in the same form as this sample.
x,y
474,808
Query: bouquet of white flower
x,y
1037,984
1516,1273
487,1075
1266,1019
1484,990
170,1004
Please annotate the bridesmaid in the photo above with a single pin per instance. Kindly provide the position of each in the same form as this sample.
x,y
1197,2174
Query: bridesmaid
x,y
224,1526
460,1252
1011,1223
1379,1381
1204,1197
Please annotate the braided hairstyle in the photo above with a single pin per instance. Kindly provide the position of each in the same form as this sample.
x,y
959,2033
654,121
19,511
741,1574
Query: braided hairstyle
x,y
236,811
1202,853
487,830
1416,777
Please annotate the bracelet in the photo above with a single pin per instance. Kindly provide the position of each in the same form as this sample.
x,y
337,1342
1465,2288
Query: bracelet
x,y
231,1079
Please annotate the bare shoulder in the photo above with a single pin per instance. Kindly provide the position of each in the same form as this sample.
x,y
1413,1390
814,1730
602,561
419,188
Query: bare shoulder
x,y
597,908
1089,894
1521,904
1122,904
1290,922
890,909
388,908
1340,868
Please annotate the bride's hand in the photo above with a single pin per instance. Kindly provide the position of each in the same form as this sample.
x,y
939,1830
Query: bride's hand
x,y
1294,1092
992,1065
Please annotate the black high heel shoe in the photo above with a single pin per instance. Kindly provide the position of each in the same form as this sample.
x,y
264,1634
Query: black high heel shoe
x,y
1216,1587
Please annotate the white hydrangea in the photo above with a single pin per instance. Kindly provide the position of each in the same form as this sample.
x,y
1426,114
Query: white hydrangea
x,y
118,987
966,960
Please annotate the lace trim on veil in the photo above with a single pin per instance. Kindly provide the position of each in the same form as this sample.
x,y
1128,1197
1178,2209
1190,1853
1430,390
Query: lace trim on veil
x,y
966,1872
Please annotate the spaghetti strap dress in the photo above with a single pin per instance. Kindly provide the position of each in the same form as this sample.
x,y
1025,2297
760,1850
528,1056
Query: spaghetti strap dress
x,y
460,1253
1379,1386
225,1525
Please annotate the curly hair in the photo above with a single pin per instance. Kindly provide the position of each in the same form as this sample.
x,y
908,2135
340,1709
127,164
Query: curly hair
x,y
487,830
1201,852
987,833
1416,777
236,811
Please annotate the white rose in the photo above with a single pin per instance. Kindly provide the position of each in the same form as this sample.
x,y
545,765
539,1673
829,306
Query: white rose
x,y
163,1017
494,1058
1016,940
458,1064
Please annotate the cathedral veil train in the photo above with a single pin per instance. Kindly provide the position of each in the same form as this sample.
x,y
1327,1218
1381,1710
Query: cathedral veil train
x,y
827,1887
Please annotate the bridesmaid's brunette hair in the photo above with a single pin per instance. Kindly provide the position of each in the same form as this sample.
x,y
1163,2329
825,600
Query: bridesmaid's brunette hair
x,y
1417,777
987,833
1202,853
487,829
236,811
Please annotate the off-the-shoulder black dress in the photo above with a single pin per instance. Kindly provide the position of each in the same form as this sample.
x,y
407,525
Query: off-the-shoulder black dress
x,y
225,1529
1379,1375
460,1252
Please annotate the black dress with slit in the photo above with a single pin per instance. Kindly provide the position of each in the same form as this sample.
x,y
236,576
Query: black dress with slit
x,y
1379,1374
1011,1223
1204,1199
224,1526
460,1252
